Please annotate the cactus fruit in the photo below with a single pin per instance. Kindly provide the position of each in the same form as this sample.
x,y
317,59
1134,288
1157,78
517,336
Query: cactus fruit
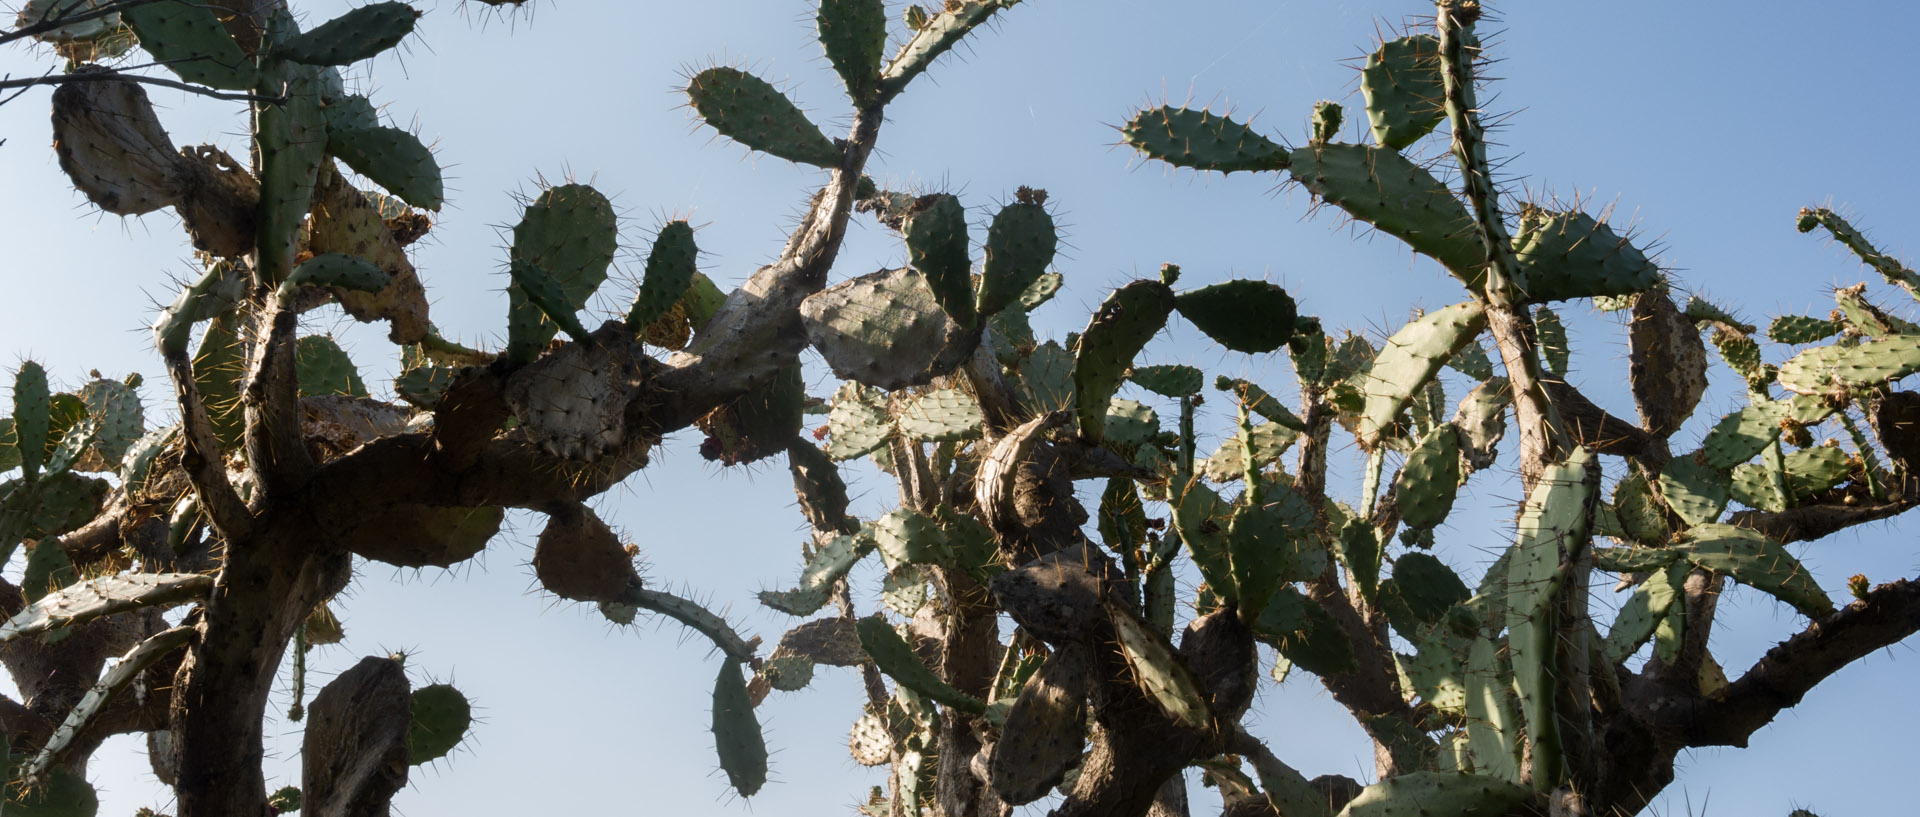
x,y
736,731
441,718
1254,317
1411,357
1571,255
189,39
579,558
1120,328
1382,188
671,265
885,329
749,110
354,36
1202,140
1401,83
1020,244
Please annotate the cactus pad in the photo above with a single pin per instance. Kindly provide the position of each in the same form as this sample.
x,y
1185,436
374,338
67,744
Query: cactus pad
x,y
95,598
854,34
671,265
1254,317
736,731
1401,83
946,415
1752,559
1202,140
1168,381
1451,793
1043,735
1571,255
324,368
441,717
354,36
885,329
936,231
567,236
1020,244
189,39
894,657
1121,327
1836,369
1412,357
579,558
393,159
1380,187
749,110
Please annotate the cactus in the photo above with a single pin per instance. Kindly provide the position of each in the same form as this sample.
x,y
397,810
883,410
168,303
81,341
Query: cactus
x,y
1493,697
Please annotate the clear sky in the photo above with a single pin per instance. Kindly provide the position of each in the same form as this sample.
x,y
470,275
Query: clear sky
x,y
1707,125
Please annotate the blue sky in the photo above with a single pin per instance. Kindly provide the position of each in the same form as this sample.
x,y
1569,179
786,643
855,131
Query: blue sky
x,y
1706,125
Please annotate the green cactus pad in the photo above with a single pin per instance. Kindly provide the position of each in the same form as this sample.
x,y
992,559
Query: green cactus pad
x,y
828,565
1697,492
1702,311
1020,244
671,265
1041,290
441,717
1835,369
1752,559
1327,118
749,110
354,36
1202,140
1430,479
9,447
567,236
896,658
1472,361
1202,518
1130,423
324,368
85,601
857,422
904,590
1254,317
1866,319
349,112
1401,83
936,231
1552,335
788,673
63,794
1638,511
909,537
884,329
1742,355
1844,232
1419,593
1172,381
854,34
1304,633
1814,471
1797,329
189,39
334,269
1553,524
423,386
817,483
1257,400
1633,559
1380,187
1228,463
1412,357
1122,519
1358,548
393,159
1046,378
136,465
1653,598
1744,433
736,731
1161,673
114,407
1570,255
1260,544
32,409
1121,327
217,370
1493,728
1450,793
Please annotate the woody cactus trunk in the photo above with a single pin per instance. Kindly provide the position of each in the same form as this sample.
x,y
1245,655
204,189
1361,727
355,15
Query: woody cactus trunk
x,y
208,551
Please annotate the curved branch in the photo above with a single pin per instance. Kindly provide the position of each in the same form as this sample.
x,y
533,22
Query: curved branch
x,y
1782,677
1809,522
100,76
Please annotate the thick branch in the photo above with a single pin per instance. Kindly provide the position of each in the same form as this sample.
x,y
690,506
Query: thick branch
x,y
1593,427
102,76
1809,522
1782,677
